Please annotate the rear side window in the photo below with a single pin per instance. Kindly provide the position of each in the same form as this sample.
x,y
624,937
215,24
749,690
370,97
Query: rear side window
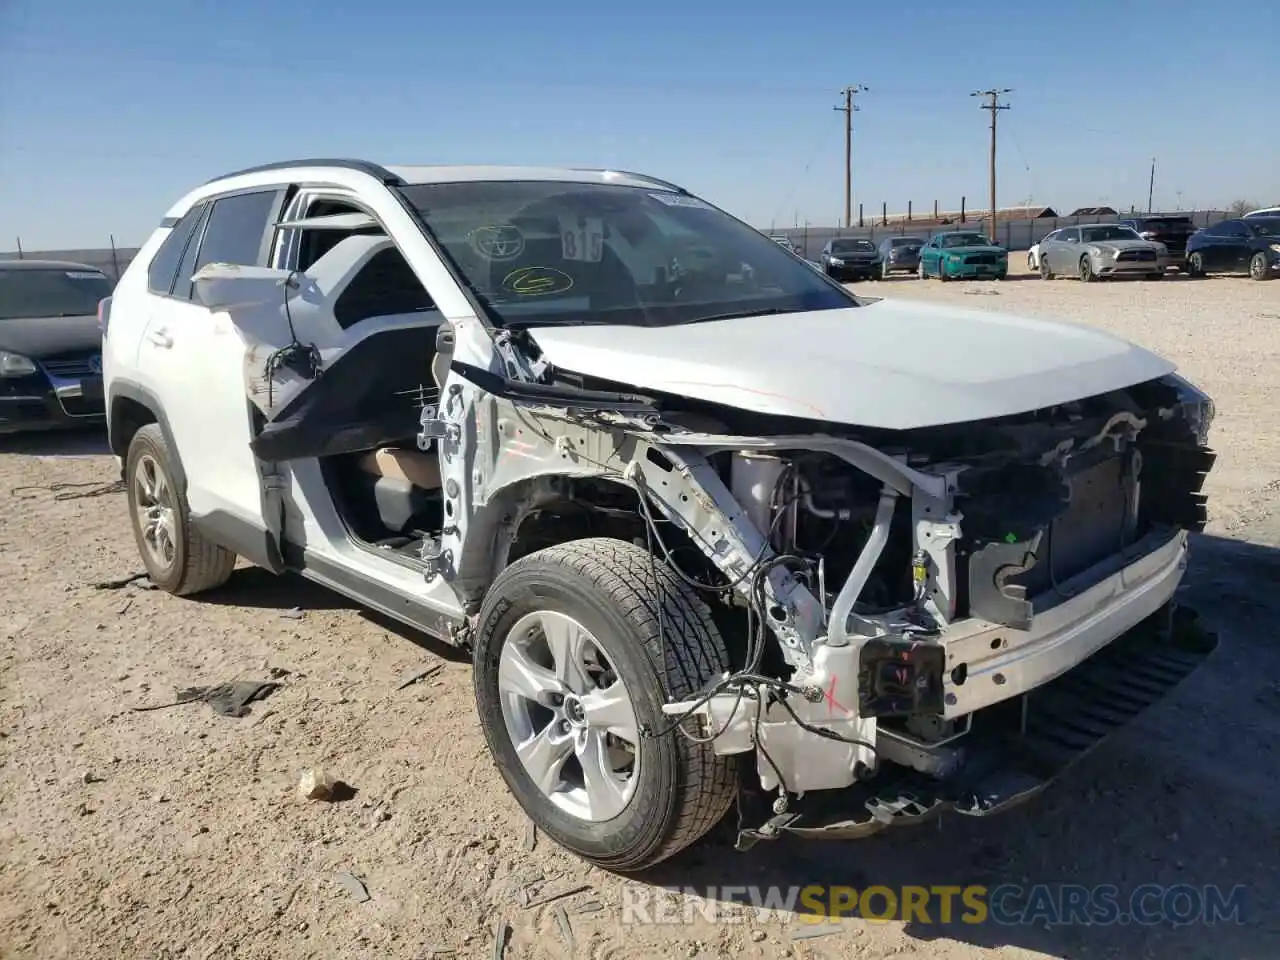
x,y
237,230
164,265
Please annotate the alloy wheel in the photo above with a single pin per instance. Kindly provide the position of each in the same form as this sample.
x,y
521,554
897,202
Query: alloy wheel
x,y
569,716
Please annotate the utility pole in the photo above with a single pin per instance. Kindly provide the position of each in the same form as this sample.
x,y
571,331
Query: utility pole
x,y
1151,185
995,107
848,109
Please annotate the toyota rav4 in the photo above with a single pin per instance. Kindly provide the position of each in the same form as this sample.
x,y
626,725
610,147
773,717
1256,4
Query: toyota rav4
x,y
712,526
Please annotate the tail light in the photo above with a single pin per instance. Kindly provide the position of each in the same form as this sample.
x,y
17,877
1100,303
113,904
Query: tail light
x,y
104,314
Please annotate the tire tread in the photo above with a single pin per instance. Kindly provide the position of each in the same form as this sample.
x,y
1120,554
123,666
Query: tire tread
x,y
694,654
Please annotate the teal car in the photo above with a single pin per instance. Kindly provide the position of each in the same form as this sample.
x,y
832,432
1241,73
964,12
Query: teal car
x,y
963,254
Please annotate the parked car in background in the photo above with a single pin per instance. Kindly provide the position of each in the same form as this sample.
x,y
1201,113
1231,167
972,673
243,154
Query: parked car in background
x,y
1264,212
962,254
50,344
1098,250
900,254
1248,245
1033,257
1171,231
850,258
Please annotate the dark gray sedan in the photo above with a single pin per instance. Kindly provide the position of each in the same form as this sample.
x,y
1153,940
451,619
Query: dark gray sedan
x,y
1098,250
50,344
900,255
847,258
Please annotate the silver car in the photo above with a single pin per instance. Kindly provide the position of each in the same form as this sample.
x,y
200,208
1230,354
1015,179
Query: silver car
x,y
1094,251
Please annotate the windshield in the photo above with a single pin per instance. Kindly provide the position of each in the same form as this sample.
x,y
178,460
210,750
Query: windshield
x,y
42,292
1175,224
853,246
1265,226
964,240
1110,232
545,252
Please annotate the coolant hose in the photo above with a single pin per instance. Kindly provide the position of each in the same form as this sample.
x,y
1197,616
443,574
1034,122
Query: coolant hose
x,y
837,632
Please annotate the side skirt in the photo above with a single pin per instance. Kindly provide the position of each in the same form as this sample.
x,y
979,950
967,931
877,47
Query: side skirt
x,y
254,544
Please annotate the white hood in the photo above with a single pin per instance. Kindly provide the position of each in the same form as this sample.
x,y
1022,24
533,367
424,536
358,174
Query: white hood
x,y
891,364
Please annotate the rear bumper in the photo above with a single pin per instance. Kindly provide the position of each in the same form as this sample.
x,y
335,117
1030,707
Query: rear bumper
x,y
39,403
1063,722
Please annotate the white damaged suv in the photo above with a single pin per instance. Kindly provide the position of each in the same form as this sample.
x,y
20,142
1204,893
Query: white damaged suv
x,y
714,527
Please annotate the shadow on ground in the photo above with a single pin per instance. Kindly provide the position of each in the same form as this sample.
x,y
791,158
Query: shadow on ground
x,y
1184,796
260,589
88,442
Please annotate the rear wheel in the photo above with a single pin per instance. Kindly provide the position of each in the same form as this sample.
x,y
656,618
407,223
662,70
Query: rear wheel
x,y
571,665
178,558
1045,272
1086,270
1258,266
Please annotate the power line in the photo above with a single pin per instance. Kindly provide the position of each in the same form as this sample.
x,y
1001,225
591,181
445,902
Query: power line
x,y
995,107
848,109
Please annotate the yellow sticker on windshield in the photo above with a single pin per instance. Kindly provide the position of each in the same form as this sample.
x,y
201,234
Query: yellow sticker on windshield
x,y
537,281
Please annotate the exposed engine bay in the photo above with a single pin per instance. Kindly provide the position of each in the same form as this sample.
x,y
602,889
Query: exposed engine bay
x,y
893,599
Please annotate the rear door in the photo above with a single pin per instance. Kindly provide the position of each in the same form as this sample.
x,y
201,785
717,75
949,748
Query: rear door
x,y
1235,246
194,358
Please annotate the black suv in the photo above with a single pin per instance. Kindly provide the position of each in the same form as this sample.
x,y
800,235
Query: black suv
x,y
1171,231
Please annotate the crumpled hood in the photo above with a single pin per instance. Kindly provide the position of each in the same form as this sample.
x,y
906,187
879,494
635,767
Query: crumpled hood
x,y
894,365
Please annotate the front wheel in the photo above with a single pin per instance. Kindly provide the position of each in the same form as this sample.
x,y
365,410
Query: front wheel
x,y
178,558
571,670
884,271
920,271
1258,266
1031,262
1045,272
1086,270
1195,265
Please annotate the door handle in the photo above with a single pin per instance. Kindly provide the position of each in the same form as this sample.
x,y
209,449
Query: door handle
x,y
160,338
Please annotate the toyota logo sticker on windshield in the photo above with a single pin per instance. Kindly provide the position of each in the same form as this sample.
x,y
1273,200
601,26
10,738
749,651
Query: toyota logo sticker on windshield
x,y
503,242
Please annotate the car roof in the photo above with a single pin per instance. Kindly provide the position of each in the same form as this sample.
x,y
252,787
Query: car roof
x,y
416,174
356,173
28,264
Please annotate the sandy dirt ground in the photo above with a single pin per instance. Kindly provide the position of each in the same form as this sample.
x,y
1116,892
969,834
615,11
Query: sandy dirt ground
x,y
178,833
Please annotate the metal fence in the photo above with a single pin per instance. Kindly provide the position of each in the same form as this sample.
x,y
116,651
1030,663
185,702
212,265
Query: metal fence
x,y
1011,234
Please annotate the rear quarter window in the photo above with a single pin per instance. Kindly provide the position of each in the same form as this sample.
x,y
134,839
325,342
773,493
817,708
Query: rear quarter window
x,y
164,265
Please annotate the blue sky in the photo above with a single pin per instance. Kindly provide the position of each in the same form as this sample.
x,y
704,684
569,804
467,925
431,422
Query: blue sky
x,y
110,111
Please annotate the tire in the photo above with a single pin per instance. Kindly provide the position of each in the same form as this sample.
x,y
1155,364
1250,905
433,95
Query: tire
x,y
942,272
1258,266
920,274
1155,276
610,590
1032,263
1086,270
1195,265
1045,272
180,561
884,271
